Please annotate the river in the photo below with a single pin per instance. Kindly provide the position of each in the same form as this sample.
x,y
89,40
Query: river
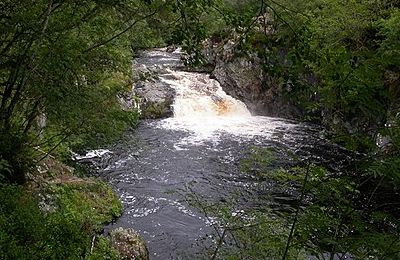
x,y
198,151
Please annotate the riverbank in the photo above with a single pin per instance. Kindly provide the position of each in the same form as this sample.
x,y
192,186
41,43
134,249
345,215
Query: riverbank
x,y
58,213
155,167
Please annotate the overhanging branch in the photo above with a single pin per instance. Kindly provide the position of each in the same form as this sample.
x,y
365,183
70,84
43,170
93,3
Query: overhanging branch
x,y
126,29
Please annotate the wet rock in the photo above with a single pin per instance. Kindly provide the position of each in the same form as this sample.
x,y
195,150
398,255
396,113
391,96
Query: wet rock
x,y
242,76
129,244
171,48
155,99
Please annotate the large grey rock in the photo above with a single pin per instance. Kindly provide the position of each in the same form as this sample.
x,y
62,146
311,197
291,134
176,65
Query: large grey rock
x,y
242,76
155,99
129,244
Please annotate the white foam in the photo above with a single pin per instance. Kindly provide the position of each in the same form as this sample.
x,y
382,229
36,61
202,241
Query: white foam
x,y
204,110
91,154
198,96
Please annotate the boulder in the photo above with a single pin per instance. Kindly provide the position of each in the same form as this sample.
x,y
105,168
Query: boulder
x,y
152,96
129,244
155,99
242,74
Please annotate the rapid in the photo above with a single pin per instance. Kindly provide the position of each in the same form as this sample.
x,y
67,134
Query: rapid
x,y
198,151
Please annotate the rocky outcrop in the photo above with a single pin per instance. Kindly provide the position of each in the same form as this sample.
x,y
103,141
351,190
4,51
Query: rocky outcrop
x,y
152,96
129,244
155,99
242,76
242,79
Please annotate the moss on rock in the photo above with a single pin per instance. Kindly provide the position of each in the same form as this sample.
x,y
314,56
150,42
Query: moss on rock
x,y
56,215
129,244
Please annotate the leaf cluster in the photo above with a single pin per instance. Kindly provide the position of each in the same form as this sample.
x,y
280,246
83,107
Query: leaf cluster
x,y
27,232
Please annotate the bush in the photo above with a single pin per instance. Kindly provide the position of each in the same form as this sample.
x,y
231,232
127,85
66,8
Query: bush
x,y
27,232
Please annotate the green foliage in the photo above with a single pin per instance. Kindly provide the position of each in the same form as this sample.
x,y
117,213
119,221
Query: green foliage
x,y
387,168
329,223
27,232
261,236
15,157
389,32
334,223
338,60
92,201
198,20
18,217
64,64
103,250
245,234
344,45
5,169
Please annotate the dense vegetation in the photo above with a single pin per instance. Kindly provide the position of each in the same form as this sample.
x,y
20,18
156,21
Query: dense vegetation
x,y
339,62
64,64
65,225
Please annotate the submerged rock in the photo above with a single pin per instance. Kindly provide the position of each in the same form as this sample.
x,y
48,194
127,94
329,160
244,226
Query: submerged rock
x,y
129,244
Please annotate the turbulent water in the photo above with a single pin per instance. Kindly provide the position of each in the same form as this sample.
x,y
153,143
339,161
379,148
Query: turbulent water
x,y
197,151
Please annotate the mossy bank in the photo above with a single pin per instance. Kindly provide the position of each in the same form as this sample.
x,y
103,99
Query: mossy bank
x,y
56,215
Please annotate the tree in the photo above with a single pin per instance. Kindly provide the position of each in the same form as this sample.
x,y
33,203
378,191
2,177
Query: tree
x,y
66,60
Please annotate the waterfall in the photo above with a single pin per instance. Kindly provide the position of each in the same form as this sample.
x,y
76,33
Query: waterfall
x,y
199,97
201,107
197,150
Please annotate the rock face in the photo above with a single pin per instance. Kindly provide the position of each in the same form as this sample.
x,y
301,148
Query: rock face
x,y
129,244
242,76
241,79
155,99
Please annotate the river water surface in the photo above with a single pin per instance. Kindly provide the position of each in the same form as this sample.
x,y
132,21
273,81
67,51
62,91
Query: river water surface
x,y
198,151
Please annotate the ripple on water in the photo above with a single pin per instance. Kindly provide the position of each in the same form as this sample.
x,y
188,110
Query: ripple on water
x,y
196,152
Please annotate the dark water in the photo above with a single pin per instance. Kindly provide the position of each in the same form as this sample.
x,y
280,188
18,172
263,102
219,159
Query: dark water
x,y
154,167
152,177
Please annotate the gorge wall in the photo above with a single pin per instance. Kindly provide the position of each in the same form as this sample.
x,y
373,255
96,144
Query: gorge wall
x,y
243,77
